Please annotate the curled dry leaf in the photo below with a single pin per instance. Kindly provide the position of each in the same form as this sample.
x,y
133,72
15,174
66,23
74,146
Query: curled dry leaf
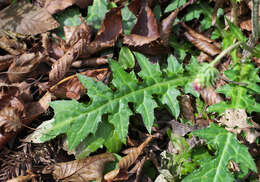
x,y
62,66
82,170
186,108
108,33
236,120
166,27
10,119
28,19
210,96
74,34
11,46
201,42
23,65
128,160
72,88
33,110
5,61
145,30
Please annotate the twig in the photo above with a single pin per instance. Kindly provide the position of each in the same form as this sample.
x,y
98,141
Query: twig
x,y
230,81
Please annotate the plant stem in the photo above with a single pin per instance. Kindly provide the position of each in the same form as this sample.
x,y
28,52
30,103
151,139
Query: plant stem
x,y
255,31
224,53
234,12
255,20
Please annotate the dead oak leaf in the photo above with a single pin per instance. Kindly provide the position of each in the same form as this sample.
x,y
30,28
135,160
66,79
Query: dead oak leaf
x,y
83,170
145,30
25,18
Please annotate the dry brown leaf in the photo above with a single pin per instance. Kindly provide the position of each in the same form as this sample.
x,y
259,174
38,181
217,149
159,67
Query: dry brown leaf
x,y
5,61
28,19
145,30
11,46
236,121
128,160
10,119
54,6
203,57
22,178
72,88
246,25
90,62
108,33
82,170
218,4
201,42
166,27
186,108
210,96
62,66
74,34
24,65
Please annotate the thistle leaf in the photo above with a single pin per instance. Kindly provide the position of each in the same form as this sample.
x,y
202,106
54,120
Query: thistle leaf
x,y
83,122
228,148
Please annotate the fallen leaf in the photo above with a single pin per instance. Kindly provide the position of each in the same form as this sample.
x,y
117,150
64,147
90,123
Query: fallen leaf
x,y
72,88
166,27
28,19
5,61
186,108
210,96
125,162
23,66
201,42
90,62
21,178
83,170
108,33
145,30
236,120
11,46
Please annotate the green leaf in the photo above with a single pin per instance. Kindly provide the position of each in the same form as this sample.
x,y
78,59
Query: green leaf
x,y
174,67
240,99
236,31
126,58
228,148
240,96
128,20
174,5
86,119
96,13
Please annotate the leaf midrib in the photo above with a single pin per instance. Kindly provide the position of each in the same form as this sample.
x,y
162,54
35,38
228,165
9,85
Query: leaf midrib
x,y
135,92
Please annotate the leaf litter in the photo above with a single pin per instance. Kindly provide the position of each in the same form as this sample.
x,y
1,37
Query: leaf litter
x,y
109,95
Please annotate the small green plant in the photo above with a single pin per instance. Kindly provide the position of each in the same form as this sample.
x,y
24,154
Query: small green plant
x,y
80,121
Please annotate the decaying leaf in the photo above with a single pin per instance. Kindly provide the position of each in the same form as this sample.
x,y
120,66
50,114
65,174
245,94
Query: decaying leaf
x,y
145,30
128,160
5,61
90,62
201,42
24,65
22,178
210,96
236,120
186,108
11,46
78,40
108,33
71,86
82,170
28,19
166,27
